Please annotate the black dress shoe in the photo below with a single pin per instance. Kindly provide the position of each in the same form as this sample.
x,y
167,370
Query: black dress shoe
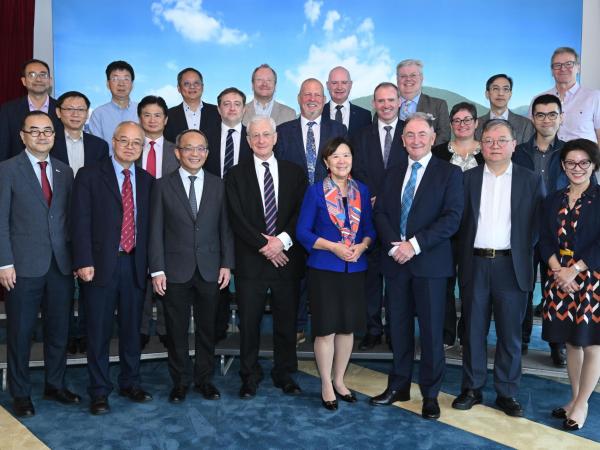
x,y
431,408
330,405
208,391
248,390
61,395
524,349
72,346
467,399
559,356
82,345
287,385
389,396
135,394
348,398
23,407
144,339
510,406
99,405
571,425
559,413
177,394
369,341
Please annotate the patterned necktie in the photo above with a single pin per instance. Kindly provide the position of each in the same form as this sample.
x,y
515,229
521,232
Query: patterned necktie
x,y
338,113
228,163
270,205
311,152
128,225
387,145
151,160
192,196
46,189
404,109
407,197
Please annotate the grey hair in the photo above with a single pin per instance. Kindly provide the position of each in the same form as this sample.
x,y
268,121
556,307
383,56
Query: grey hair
x,y
560,50
127,122
260,118
425,117
410,62
493,123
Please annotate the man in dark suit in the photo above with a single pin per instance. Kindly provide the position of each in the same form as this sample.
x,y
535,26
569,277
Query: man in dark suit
x,y
35,260
264,197
37,80
192,113
416,213
190,259
496,239
409,76
377,148
339,107
110,221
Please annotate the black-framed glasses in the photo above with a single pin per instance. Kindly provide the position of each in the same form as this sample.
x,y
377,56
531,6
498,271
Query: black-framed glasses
x,y
501,142
36,133
124,142
190,149
566,65
466,121
553,115
74,110
584,164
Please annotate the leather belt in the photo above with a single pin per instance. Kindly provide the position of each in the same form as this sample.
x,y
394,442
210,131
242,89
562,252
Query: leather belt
x,y
490,252
566,252
122,253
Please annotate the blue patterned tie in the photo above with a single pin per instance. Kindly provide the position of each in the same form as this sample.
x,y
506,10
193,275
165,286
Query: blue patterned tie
x,y
228,163
407,197
311,153
270,205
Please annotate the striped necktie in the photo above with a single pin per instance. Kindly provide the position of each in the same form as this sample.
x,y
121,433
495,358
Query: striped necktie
x,y
270,205
128,224
407,197
228,163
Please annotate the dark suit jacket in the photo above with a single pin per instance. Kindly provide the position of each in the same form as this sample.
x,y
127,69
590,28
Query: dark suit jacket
x,y
169,160
176,124
439,108
246,216
524,156
523,127
213,161
11,119
368,156
433,218
359,117
290,143
524,210
94,148
180,242
97,217
31,233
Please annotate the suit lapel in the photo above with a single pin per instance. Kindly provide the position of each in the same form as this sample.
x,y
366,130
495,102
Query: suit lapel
x,y
29,174
378,157
177,186
299,139
427,180
475,192
110,179
58,181
516,194
204,200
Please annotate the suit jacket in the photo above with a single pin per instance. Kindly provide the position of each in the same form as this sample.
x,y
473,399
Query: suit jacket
x,y
368,156
179,242
290,143
524,156
523,127
94,148
169,160
11,119
213,161
246,216
433,218
30,231
439,108
280,113
177,122
97,214
524,210
359,117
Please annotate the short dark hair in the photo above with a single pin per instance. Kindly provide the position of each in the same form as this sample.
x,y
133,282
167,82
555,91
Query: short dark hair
x,y
546,99
464,105
585,145
231,90
119,65
34,61
332,145
385,84
35,113
152,100
69,94
191,130
265,66
493,123
493,78
189,69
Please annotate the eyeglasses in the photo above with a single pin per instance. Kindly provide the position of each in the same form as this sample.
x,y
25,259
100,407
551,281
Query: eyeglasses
x,y
124,142
116,79
195,84
264,135
584,164
412,76
199,149
40,75
465,121
542,116
501,142
566,65
34,132
74,110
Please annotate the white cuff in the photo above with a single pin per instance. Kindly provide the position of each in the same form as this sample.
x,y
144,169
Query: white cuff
x,y
415,244
155,274
392,250
286,240
7,267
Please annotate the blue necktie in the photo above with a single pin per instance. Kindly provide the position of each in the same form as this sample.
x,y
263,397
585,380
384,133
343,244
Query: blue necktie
x,y
311,153
228,162
270,205
407,197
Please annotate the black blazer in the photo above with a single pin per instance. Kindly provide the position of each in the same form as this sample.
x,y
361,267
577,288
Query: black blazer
x,y
359,117
441,151
213,161
177,123
96,217
94,148
246,216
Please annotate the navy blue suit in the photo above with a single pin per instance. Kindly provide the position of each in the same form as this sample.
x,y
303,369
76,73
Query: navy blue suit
x,y
209,120
95,149
419,285
359,117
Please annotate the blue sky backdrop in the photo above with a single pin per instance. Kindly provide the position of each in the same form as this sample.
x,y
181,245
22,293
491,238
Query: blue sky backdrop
x,y
461,42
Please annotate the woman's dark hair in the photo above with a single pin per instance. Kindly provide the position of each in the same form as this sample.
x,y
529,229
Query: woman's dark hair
x,y
584,145
464,106
332,145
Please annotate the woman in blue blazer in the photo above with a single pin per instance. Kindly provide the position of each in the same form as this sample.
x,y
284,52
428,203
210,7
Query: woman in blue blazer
x,y
336,228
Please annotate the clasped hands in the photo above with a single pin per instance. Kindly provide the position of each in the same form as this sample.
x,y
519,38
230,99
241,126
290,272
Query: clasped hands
x,y
273,251
403,252
348,254
565,279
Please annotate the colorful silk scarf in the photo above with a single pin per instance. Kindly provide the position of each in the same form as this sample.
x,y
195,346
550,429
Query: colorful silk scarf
x,y
335,208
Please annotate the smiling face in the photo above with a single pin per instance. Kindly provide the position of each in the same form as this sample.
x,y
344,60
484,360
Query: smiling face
x,y
262,138
41,145
565,75
340,162
120,84
386,103
339,85
36,79
311,99
409,80
153,120
577,175
497,145
463,124
127,142
231,108
263,84
192,152
547,119
418,137
191,87
499,93
73,113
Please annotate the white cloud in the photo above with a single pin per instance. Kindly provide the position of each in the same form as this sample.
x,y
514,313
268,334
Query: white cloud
x,y
193,23
171,65
332,17
168,92
312,10
366,26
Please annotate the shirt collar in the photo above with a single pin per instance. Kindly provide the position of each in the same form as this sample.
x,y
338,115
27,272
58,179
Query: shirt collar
x,y
267,105
116,105
158,141
304,121
187,107
382,124
44,107
508,170
346,105
69,138
258,162
119,168
34,159
415,99
504,115
225,127
185,174
424,161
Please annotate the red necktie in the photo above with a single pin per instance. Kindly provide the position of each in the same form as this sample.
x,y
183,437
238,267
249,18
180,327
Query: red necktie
x,y
128,225
46,189
151,161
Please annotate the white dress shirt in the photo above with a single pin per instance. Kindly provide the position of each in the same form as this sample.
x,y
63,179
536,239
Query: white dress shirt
x,y
504,115
493,223
345,112
158,149
316,131
236,136
382,132
193,117
75,151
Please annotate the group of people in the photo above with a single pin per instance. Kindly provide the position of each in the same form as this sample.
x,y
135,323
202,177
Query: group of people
x,y
351,213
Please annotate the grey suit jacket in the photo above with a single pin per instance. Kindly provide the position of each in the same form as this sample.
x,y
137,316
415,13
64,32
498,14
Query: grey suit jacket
x,y
179,242
522,125
30,231
169,160
439,109
280,113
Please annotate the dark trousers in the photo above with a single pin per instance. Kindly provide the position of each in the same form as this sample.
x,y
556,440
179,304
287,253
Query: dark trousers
x,y
122,293
528,321
151,299
425,297
251,304
375,295
222,313
303,301
77,323
203,296
494,288
54,293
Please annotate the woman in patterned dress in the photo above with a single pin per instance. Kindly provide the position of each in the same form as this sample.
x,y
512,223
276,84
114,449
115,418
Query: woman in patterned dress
x,y
570,242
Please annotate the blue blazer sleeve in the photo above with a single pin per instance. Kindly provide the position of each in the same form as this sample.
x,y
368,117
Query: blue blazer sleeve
x,y
305,227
